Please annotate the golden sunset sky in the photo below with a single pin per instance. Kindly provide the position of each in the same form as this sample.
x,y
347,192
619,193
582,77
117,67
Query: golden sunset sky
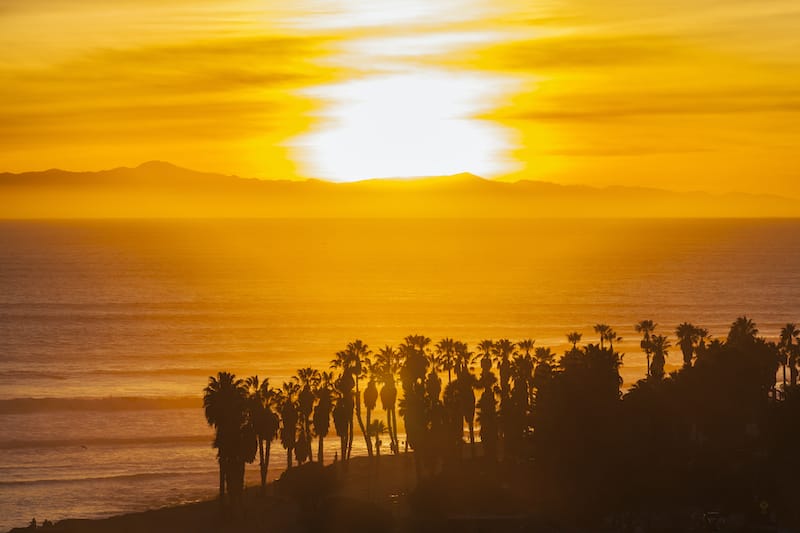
x,y
676,94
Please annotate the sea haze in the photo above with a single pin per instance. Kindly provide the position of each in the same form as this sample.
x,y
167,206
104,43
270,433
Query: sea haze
x,y
144,311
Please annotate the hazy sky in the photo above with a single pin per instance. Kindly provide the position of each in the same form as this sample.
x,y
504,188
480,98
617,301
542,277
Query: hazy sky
x,y
679,94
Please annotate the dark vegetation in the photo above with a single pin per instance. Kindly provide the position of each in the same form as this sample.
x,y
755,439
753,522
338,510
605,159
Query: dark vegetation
x,y
513,436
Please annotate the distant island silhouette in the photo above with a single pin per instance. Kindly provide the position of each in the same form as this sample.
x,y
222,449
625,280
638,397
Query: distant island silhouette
x,y
159,189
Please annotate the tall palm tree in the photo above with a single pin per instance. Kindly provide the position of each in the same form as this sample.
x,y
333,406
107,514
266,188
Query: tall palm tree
x,y
463,356
502,351
611,336
225,406
355,358
688,336
602,330
789,333
341,422
370,398
384,370
264,421
286,398
309,379
345,407
322,411
375,429
445,352
526,345
465,384
358,356
574,337
661,346
646,328
525,366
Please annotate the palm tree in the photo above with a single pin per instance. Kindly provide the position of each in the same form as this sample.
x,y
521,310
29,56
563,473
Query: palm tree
x,y
370,399
660,346
463,356
502,351
525,366
611,336
322,411
646,328
343,411
602,330
445,352
526,345
264,421
375,430
743,330
465,384
384,370
789,333
688,336
309,379
289,417
341,422
358,356
355,358
544,355
574,337
225,406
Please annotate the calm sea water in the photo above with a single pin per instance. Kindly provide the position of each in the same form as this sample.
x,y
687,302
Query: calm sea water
x,y
148,309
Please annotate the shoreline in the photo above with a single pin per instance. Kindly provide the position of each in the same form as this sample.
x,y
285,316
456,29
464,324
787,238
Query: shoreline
x,y
383,488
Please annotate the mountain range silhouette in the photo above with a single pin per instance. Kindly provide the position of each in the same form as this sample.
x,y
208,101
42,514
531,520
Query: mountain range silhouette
x,y
161,189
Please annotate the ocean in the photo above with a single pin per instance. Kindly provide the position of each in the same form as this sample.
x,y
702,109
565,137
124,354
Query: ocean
x,y
113,327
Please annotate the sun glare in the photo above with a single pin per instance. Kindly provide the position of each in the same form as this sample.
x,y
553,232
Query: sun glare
x,y
415,123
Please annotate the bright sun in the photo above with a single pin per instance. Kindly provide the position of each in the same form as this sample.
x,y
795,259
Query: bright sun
x,y
414,123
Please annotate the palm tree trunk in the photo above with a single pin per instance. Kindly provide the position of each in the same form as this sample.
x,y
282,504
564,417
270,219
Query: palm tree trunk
x,y
319,450
262,464
389,429
289,457
266,458
350,437
309,441
221,482
394,428
369,419
361,422
471,426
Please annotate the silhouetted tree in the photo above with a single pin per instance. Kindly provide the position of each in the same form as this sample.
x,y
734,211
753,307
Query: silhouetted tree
x,y
322,411
446,355
225,405
309,380
688,337
788,352
286,398
574,337
385,369
376,429
646,328
602,331
264,421
356,359
343,411
660,346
